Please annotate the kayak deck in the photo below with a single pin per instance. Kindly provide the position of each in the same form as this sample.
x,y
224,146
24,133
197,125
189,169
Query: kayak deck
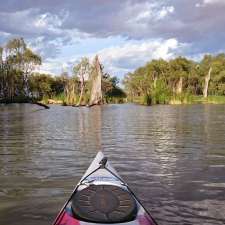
x,y
102,197
104,204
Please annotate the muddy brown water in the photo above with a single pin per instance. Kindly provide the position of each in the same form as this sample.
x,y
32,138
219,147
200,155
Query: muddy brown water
x,y
173,157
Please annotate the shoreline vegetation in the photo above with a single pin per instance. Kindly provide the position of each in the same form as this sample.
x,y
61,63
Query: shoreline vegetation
x,y
88,85
176,81
185,100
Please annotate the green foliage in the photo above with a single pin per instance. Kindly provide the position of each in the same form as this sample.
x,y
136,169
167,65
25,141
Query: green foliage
x,y
82,68
111,92
41,85
15,70
160,94
177,80
184,98
60,97
216,99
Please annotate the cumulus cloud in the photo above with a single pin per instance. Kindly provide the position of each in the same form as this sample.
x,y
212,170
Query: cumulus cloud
x,y
50,26
210,2
121,59
131,55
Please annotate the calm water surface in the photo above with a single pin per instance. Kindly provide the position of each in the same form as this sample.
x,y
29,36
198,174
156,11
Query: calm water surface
x,y
173,157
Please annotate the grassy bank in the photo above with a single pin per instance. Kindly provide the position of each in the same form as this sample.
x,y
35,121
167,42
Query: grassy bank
x,y
179,99
62,100
196,99
142,100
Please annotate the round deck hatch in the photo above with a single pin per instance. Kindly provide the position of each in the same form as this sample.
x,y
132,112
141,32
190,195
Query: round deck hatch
x,y
104,204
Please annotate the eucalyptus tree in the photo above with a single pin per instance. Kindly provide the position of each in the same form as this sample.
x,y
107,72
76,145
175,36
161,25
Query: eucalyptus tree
x,y
217,85
82,72
159,78
29,63
212,71
17,64
206,70
180,71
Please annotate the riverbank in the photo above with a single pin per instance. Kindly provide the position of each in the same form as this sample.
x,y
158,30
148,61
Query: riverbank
x,y
22,100
198,100
175,100
61,100
182,99
178,100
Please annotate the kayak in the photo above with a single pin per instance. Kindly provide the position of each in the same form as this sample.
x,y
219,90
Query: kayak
x,y
102,197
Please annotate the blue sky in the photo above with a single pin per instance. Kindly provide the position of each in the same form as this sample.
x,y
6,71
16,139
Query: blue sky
x,y
125,34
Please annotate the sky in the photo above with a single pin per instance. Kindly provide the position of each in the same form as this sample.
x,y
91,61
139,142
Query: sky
x,y
124,33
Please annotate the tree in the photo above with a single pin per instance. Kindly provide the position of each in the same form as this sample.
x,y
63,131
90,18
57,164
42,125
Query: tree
x,y
41,85
82,72
180,70
160,80
212,72
16,66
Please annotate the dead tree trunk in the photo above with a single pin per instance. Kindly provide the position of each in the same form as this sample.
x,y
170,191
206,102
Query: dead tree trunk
x,y
81,89
155,82
96,90
206,86
179,87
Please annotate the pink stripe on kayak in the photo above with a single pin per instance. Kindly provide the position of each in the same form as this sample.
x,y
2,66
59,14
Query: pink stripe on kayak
x,y
66,219
145,220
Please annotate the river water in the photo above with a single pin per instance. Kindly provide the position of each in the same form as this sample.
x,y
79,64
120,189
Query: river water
x,y
173,157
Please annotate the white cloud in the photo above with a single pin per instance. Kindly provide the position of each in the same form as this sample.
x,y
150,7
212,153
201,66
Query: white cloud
x,y
214,1
125,58
48,20
60,32
51,66
165,11
31,24
210,2
121,59
145,13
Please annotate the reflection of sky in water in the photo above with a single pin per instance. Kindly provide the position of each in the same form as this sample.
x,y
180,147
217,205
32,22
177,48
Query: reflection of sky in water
x,y
173,157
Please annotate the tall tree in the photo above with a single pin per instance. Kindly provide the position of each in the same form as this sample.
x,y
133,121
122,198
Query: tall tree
x,y
18,63
82,71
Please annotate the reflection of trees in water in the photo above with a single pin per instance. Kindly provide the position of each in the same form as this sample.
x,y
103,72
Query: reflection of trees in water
x,y
183,136
14,153
213,135
90,126
12,139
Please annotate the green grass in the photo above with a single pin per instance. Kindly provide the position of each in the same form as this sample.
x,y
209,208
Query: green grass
x,y
212,99
179,99
197,99
59,97
114,100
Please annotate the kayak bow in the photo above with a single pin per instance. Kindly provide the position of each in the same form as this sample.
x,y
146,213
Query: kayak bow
x,y
103,197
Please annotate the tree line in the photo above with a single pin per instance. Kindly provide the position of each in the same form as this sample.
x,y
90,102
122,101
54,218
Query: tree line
x,y
17,62
157,82
160,81
19,82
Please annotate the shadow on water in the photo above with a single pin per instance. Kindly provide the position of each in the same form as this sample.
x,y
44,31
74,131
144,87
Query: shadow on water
x,y
173,157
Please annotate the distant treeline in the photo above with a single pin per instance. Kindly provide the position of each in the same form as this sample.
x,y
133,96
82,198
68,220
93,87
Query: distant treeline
x,y
158,82
161,82
19,82
65,89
